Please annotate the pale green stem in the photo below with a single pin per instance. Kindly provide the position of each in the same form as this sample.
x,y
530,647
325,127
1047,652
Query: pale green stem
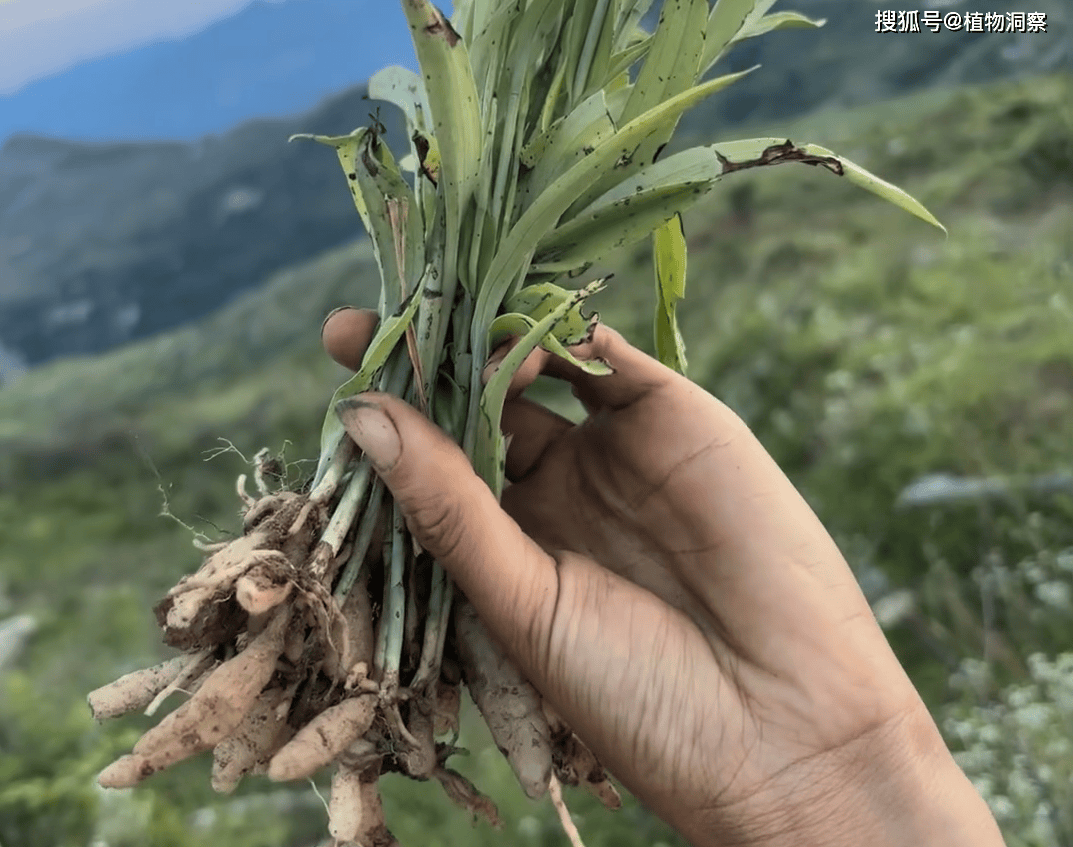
x,y
412,618
334,473
343,516
364,536
389,640
444,621
430,659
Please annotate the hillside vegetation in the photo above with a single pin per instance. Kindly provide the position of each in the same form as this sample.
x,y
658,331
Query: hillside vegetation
x,y
864,349
106,243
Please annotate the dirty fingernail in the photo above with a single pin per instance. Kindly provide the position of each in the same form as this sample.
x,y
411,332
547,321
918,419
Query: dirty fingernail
x,y
372,430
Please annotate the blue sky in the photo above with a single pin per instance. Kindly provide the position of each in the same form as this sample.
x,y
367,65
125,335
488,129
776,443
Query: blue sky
x,y
39,38
100,70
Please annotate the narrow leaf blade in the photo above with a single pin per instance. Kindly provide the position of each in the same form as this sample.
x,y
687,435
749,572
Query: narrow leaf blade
x,y
669,256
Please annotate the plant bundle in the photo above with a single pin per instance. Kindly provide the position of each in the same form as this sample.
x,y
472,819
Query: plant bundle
x,y
325,635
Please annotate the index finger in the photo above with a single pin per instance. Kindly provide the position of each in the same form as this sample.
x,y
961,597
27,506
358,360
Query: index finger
x,y
635,373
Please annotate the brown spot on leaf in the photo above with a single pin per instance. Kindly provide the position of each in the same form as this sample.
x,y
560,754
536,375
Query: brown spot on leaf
x,y
442,27
776,154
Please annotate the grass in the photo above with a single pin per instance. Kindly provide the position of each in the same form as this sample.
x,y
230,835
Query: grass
x,y
863,348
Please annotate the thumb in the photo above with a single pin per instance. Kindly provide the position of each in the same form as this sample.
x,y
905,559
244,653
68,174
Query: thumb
x,y
453,515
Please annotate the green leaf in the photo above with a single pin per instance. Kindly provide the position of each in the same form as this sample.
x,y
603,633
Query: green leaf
x,y
540,19
593,63
629,27
489,42
433,313
669,255
388,333
880,187
562,145
724,23
386,205
779,20
655,127
456,118
625,59
574,35
760,152
489,454
610,156
403,88
517,324
398,229
471,16
551,100
346,148
612,225
540,300
673,58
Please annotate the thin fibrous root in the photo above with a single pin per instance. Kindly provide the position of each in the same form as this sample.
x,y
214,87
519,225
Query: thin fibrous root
x,y
557,801
195,667
209,546
243,494
261,462
265,585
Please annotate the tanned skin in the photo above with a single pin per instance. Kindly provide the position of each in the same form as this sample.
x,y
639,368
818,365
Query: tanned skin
x,y
666,588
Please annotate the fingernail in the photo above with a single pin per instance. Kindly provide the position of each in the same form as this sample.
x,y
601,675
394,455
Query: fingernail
x,y
328,316
372,430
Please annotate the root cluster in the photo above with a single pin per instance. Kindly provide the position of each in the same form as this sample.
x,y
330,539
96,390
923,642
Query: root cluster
x,y
283,677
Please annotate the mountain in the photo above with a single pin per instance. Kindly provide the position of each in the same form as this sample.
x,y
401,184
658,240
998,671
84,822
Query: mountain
x,y
271,59
101,244
847,63
863,348
104,243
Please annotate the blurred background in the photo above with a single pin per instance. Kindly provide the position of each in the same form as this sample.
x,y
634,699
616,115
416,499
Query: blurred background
x,y
166,259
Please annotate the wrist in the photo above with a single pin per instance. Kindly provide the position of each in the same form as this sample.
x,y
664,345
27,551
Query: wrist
x,y
908,790
898,786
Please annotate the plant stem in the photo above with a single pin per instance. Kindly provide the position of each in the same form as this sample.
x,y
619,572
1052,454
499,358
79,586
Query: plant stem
x,y
430,659
389,640
334,473
364,536
343,516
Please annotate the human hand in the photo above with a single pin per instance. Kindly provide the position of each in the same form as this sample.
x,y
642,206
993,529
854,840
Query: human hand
x,y
673,597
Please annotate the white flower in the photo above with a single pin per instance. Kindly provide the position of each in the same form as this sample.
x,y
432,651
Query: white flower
x,y
1064,560
1054,593
976,759
1020,696
1021,787
1033,715
984,786
1002,807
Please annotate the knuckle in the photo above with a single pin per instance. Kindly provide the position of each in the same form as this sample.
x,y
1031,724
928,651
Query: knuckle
x,y
437,520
